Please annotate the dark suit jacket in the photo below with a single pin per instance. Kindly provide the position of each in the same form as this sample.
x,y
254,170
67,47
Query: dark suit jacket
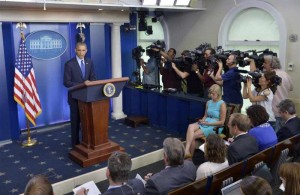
x,y
133,187
241,148
171,178
73,75
291,128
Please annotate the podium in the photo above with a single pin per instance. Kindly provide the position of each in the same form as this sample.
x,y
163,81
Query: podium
x,y
93,101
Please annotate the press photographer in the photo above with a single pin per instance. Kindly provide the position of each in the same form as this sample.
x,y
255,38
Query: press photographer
x,y
150,69
272,63
264,91
186,70
171,81
231,85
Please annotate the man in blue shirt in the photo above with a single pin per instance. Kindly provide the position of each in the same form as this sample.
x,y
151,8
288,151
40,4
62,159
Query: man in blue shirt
x,y
150,74
231,85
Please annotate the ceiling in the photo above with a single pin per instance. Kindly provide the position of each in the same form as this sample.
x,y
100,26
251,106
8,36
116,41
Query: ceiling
x,y
90,5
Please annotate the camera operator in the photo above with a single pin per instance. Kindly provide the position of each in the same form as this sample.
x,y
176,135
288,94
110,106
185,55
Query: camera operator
x,y
272,63
207,78
187,72
150,69
169,77
231,85
264,93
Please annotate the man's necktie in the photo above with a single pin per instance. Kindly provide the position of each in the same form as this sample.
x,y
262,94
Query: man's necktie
x,y
82,66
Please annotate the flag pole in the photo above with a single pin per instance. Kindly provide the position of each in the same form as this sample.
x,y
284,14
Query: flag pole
x,y
29,141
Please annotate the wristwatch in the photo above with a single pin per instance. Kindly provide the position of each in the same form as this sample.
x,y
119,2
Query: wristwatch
x,y
197,71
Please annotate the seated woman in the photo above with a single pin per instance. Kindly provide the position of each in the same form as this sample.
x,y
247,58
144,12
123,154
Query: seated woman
x,y
290,176
214,116
263,93
262,130
215,154
255,185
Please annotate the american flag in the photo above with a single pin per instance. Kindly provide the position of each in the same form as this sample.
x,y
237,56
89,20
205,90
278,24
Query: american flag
x,y
25,92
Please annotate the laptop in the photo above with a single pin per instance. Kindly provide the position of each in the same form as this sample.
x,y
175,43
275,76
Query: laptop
x,y
232,189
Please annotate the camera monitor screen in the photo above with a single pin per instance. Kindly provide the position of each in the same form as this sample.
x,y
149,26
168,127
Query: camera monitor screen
x,y
232,189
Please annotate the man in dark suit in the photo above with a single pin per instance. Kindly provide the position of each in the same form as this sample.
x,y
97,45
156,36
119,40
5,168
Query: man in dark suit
x,y
291,127
242,145
177,173
77,70
117,173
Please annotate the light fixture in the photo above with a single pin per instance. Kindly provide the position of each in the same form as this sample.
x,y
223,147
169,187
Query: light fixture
x,y
166,2
182,2
150,2
142,21
149,30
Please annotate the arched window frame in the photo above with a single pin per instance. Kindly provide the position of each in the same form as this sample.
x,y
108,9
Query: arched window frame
x,y
232,14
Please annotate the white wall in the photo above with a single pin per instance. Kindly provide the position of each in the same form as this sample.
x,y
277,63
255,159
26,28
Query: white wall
x,y
195,28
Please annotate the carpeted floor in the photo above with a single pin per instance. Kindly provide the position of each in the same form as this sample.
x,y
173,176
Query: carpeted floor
x,y
50,156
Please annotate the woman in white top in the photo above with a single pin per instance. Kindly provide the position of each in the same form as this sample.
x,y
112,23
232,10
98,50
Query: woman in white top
x,y
263,93
215,153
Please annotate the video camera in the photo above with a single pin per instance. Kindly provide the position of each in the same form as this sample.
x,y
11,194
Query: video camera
x,y
185,59
155,45
254,75
220,55
197,55
137,52
257,56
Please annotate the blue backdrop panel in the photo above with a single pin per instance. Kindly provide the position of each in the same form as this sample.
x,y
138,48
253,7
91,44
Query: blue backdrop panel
x,y
99,55
8,107
128,42
49,73
49,79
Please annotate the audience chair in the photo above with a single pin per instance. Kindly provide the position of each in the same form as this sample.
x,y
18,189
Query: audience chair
x,y
198,187
262,170
275,169
265,156
232,174
280,156
294,153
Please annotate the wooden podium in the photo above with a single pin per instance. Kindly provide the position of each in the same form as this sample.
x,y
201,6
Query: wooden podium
x,y
93,100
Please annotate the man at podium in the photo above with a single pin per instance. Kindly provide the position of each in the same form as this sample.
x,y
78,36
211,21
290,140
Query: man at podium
x,y
77,70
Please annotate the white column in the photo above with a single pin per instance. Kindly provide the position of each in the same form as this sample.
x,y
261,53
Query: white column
x,y
116,68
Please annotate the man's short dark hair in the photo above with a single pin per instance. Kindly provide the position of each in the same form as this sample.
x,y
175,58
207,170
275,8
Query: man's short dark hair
x,y
119,166
287,105
174,150
38,185
80,44
174,50
257,114
212,51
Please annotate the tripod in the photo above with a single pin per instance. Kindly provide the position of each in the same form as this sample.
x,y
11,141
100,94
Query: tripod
x,y
137,74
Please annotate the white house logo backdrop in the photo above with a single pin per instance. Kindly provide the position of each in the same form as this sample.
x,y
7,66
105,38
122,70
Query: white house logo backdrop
x,y
45,44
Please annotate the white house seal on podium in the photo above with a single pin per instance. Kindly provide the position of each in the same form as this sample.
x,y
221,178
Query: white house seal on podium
x,y
109,89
